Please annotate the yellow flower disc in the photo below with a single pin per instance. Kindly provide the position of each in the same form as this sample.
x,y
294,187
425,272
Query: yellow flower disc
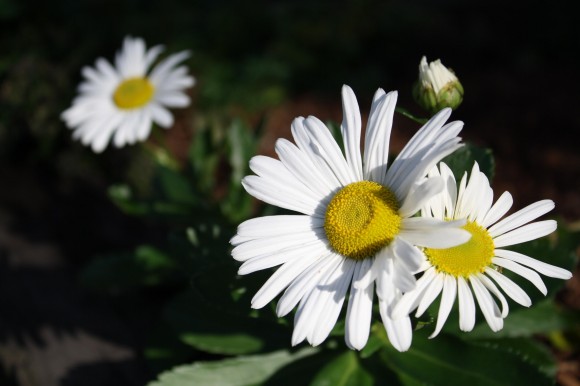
x,y
361,219
133,93
465,259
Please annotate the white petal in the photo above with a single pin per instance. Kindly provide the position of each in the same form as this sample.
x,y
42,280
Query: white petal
x,y
419,195
528,232
512,289
378,134
360,308
522,271
501,207
326,147
447,300
409,301
280,279
253,248
304,283
268,226
399,331
444,234
281,196
308,147
269,260
351,130
174,99
521,217
487,305
302,168
403,278
161,115
431,293
466,305
152,54
143,127
493,289
323,305
540,266
411,256
164,67
126,128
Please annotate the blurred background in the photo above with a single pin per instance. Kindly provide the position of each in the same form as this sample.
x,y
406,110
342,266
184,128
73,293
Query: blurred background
x,y
259,64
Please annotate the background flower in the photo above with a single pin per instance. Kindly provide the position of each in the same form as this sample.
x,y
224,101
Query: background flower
x,y
121,102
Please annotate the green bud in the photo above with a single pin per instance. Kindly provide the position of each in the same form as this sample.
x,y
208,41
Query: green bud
x,y
437,87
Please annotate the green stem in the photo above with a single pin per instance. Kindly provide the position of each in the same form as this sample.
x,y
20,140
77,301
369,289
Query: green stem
x,y
407,114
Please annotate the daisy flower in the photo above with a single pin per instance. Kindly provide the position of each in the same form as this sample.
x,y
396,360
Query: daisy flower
x,y
355,229
120,102
476,266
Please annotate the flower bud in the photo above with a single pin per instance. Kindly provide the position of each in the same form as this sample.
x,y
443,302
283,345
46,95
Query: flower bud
x,y
437,87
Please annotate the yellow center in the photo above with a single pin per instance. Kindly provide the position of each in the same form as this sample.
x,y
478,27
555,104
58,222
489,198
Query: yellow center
x,y
465,259
361,219
133,92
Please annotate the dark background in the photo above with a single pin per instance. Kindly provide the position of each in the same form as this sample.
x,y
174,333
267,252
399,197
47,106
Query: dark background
x,y
273,59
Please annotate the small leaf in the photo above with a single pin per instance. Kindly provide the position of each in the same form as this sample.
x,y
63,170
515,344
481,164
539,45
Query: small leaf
x,y
462,160
240,371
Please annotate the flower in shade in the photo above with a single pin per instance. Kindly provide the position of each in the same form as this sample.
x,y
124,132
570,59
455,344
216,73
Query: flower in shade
x,y
356,230
475,268
121,102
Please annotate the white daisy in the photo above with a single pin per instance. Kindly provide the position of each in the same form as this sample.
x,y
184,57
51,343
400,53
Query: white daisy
x,y
122,101
356,228
479,262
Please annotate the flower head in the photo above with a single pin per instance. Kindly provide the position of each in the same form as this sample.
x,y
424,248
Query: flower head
x,y
120,102
437,87
355,232
475,267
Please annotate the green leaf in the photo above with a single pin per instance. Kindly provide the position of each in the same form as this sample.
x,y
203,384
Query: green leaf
x,y
344,370
147,266
209,327
174,186
543,317
528,349
462,160
449,361
375,342
164,350
240,371
122,196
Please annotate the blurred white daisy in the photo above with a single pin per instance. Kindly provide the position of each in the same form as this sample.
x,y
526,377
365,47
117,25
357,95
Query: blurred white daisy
x,y
356,228
120,102
476,266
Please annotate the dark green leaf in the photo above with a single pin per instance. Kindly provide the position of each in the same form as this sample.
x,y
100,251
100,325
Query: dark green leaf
x,y
209,327
542,317
240,371
146,266
462,160
528,349
450,361
344,370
